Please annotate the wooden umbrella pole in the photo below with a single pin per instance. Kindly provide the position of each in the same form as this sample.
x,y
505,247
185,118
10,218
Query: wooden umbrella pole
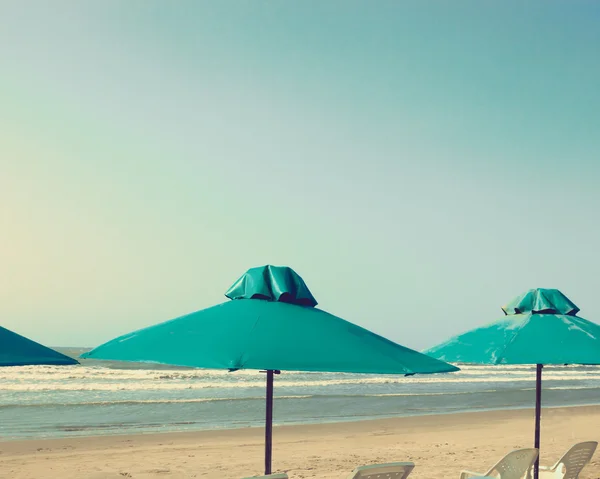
x,y
538,415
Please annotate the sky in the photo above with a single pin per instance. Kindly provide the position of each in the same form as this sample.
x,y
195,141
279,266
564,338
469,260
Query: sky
x,y
419,164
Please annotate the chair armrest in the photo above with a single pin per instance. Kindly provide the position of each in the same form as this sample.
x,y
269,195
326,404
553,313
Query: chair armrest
x,y
468,474
550,473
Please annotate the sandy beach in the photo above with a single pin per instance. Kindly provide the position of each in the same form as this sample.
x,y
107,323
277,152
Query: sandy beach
x,y
440,446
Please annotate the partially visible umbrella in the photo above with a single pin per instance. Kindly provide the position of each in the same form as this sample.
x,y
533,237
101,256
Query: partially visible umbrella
x,y
540,327
271,324
17,350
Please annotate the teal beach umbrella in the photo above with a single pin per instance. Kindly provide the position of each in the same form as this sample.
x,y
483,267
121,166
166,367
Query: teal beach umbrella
x,y
271,323
540,327
17,350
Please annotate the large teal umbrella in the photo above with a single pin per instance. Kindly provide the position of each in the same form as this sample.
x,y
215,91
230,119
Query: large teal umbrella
x,y
539,327
271,324
17,350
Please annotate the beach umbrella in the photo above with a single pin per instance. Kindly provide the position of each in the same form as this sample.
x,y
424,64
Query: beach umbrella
x,y
271,323
17,350
540,327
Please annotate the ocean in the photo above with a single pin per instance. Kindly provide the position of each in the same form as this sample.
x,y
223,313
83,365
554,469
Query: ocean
x,y
117,398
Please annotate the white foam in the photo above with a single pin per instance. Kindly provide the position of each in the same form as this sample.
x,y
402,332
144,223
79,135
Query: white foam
x,y
160,385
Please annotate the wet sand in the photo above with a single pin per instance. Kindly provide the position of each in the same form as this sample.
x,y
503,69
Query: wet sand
x,y
440,446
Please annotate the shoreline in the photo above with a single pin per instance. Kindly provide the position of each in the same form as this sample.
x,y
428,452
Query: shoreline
x,y
285,428
317,422
440,445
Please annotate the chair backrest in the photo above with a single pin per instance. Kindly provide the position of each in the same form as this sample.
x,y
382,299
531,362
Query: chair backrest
x,y
515,465
575,459
392,470
270,476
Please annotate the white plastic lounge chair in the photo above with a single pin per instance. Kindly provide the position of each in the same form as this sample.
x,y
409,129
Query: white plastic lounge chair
x,y
573,461
270,476
515,465
392,470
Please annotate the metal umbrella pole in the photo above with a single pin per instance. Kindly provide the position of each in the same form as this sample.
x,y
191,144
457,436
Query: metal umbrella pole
x,y
538,414
269,421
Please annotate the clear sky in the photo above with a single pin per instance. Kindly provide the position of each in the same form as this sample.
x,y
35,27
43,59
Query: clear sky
x,y
418,163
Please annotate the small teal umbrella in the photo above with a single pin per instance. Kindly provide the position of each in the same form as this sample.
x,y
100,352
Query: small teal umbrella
x,y
271,324
17,350
539,327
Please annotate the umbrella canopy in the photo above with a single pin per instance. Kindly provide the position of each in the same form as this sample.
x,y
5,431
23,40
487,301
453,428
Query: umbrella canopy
x,y
17,350
540,327
272,324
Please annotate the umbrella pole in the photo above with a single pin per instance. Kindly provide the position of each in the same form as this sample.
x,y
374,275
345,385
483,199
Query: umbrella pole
x,y
538,414
269,422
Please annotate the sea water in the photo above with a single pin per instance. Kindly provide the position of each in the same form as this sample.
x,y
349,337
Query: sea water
x,y
120,398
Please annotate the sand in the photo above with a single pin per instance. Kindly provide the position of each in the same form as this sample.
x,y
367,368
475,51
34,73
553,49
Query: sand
x,y
440,446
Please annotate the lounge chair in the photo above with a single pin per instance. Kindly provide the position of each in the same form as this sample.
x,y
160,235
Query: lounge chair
x,y
573,461
392,470
270,476
515,465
